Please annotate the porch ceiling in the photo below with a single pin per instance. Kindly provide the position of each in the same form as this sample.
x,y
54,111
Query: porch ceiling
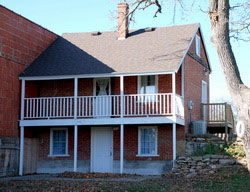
x,y
102,121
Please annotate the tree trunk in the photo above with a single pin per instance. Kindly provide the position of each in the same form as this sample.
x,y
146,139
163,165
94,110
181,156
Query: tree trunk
x,y
219,17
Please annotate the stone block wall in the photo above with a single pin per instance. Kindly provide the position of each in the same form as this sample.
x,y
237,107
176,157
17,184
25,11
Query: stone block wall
x,y
192,165
193,142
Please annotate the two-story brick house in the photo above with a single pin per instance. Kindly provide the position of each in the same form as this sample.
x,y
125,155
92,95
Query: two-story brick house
x,y
113,101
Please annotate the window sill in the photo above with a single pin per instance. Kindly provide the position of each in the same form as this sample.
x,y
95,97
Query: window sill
x,y
147,155
65,155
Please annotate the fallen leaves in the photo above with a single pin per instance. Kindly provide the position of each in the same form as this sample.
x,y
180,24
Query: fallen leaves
x,y
233,179
78,175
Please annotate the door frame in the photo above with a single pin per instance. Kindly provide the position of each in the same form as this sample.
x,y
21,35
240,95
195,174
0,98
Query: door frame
x,y
94,85
92,147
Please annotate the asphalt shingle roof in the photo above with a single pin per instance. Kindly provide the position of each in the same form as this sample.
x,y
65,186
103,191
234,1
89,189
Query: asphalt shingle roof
x,y
82,53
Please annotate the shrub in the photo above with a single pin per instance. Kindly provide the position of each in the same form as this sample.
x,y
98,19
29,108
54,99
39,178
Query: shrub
x,y
208,149
235,150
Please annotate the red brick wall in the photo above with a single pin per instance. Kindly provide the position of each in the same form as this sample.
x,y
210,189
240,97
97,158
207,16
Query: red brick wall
x,y
83,144
130,142
194,74
21,41
57,88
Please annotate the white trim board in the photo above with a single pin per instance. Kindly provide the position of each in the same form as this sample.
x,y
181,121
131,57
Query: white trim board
x,y
58,77
189,45
103,121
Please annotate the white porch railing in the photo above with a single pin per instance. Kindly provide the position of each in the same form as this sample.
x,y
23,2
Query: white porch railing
x,y
103,106
179,106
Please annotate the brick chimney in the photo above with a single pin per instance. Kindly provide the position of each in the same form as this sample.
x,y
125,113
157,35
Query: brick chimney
x,y
122,28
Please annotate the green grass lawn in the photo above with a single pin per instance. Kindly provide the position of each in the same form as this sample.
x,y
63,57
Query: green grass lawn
x,y
225,180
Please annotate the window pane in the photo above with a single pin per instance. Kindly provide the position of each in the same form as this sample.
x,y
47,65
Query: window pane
x,y
59,142
148,84
148,141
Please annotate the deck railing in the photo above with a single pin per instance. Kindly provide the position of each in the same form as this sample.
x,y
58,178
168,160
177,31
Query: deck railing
x,y
217,113
103,106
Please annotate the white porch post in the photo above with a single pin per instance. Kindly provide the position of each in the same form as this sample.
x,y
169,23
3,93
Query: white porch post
x,y
75,97
121,126
121,94
21,150
121,147
75,127
22,99
174,95
174,142
22,129
75,147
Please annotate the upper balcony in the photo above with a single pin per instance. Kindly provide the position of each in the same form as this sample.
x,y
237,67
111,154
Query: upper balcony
x,y
137,105
102,101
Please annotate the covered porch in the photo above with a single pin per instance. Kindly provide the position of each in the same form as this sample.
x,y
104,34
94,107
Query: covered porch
x,y
106,149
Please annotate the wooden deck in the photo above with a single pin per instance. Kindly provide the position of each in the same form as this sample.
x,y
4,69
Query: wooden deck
x,y
219,117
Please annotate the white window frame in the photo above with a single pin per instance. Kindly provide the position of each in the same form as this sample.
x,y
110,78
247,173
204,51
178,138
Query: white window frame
x,y
139,86
94,84
198,45
139,83
51,143
139,141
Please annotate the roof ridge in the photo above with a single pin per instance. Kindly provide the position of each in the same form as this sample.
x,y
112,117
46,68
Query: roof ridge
x,y
130,29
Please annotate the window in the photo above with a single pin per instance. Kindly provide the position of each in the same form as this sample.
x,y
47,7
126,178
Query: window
x,y
147,141
59,142
198,45
147,84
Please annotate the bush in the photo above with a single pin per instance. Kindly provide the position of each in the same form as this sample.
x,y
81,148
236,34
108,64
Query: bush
x,y
208,149
228,149
235,150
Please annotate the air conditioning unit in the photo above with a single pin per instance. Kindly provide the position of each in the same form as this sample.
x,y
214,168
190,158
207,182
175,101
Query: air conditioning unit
x,y
200,127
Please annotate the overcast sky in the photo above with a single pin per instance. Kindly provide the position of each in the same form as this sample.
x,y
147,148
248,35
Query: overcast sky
x,y
99,15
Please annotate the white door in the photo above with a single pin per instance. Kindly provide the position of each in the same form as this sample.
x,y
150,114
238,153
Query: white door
x,y
204,99
102,149
102,102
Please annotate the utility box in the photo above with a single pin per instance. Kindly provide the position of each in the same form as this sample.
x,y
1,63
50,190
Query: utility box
x,y
200,127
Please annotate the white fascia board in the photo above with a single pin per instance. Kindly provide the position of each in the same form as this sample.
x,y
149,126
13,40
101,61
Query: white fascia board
x,y
104,121
188,47
205,50
93,75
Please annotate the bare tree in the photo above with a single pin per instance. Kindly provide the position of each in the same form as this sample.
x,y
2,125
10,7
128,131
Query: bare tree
x,y
222,16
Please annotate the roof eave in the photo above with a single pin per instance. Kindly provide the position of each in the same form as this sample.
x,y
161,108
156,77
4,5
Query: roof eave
x,y
188,47
57,77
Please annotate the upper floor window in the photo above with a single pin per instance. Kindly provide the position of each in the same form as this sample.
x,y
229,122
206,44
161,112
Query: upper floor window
x,y
198,45
148,84
59,141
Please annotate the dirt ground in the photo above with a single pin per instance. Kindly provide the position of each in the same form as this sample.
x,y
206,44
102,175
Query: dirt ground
x,y
223,180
